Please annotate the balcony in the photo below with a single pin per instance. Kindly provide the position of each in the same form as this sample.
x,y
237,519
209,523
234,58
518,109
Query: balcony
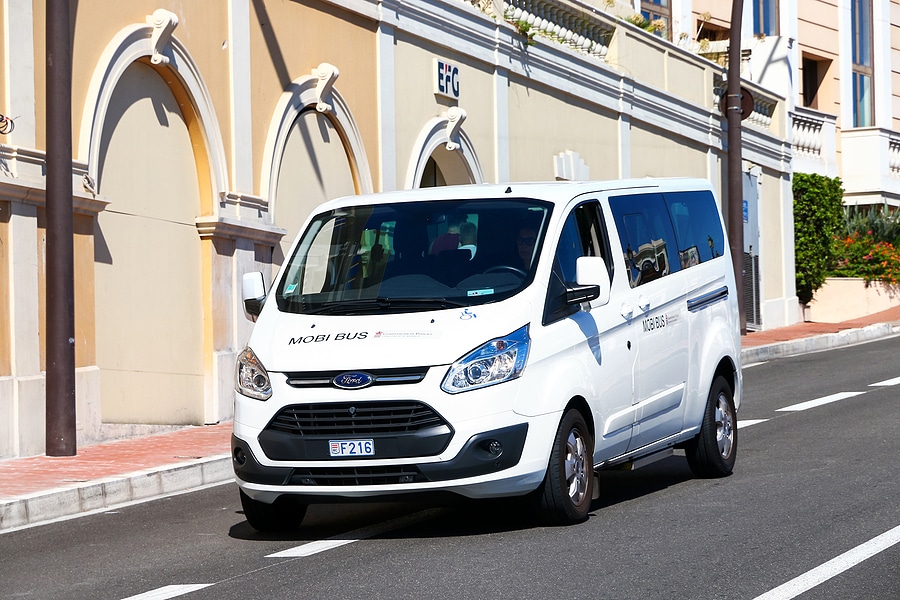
x,y
870,170
813,142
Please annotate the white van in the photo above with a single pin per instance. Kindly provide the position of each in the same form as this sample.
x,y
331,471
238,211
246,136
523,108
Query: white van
x,y
489,341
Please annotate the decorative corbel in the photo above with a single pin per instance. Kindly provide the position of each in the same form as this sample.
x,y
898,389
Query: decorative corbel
x,y
326,74
455,118
164,23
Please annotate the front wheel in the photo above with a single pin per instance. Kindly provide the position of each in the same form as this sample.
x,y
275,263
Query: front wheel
x,y
282,515
713,452
565,494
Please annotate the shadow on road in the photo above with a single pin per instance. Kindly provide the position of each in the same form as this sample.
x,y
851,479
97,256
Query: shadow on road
x,y
461,517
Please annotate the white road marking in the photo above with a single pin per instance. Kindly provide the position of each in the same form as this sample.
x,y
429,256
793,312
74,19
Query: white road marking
x,y
354,536
835,566
756,364
748,422
886,382
169,591
820,401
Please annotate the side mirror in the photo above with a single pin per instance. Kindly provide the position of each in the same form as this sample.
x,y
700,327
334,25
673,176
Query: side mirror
x,y
253,293
591,271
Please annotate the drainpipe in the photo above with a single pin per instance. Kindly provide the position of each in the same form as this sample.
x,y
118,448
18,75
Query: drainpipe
x,y
60,284
735,189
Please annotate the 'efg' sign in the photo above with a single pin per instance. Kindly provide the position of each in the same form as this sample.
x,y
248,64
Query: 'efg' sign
x,y
446,81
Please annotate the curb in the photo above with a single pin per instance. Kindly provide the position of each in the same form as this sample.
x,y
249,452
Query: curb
x,y
38,507
817,343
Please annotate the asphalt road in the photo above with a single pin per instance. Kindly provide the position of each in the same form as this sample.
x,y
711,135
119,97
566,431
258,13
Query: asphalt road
x,y
813,507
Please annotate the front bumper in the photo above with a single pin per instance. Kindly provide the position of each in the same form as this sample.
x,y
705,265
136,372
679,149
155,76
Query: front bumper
x,y
475,459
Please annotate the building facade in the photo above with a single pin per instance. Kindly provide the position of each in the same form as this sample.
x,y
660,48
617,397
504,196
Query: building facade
x,y
204,133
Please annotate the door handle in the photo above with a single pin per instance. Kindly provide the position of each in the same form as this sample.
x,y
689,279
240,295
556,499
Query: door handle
x,y
626,310
644,303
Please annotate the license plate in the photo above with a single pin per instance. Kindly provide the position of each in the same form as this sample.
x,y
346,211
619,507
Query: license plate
x,y
351,447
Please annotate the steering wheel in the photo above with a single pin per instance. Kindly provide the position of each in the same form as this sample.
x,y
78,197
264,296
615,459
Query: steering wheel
x,y
506,269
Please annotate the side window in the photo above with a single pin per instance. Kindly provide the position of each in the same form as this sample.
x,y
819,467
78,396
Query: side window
x,y
646,235
583,234
698,229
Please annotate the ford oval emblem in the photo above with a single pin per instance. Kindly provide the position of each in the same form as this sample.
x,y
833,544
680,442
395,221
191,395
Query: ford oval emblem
x,y
353,380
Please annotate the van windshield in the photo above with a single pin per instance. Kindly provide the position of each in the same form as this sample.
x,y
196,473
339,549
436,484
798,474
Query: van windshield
x,y
413,256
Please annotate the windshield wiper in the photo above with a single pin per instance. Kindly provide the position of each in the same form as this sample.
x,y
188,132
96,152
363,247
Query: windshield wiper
x,y
381,303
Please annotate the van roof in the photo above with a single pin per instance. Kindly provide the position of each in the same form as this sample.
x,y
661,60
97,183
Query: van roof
x,y
553,191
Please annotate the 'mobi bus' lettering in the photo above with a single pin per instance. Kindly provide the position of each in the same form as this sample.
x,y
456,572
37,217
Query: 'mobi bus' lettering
x,y
324,337
658,322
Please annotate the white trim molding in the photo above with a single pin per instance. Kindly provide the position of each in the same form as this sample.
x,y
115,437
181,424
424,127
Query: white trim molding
x,y
131,44
435,134
309,91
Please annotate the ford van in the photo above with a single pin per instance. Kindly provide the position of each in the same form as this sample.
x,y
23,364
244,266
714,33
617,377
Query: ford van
x,y
489,341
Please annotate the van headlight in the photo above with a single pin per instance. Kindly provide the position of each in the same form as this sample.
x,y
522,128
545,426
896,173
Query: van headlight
x,y
497,361
250,377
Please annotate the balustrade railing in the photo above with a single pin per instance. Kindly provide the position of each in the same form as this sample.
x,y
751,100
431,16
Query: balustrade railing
x,y
579,26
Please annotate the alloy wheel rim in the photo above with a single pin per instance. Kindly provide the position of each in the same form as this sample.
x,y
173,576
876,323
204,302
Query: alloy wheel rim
x,y
724,426
576,473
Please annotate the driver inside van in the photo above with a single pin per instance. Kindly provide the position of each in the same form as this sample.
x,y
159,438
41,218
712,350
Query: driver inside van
x,y
525,240
468,236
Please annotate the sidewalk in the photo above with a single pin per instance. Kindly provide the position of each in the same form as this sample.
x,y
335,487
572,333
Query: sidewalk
x,y
41,488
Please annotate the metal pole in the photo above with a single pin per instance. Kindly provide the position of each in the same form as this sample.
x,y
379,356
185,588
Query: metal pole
x,y
735,189
60,350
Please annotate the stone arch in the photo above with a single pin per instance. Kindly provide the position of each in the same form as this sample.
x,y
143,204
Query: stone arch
x,y
456,158
139,42
304,93
144,63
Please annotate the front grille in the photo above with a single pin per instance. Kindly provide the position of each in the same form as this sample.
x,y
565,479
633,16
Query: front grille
x,y
356,476
392,376
362,418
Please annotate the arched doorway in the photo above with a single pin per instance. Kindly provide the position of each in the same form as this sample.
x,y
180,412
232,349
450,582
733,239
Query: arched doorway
x,y
314,168
444,155
148,272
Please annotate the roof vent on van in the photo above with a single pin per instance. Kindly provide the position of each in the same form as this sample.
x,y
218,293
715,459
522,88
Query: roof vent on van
x,y
509,190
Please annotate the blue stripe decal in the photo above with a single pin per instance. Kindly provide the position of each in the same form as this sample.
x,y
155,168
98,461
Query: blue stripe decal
x,y
701,302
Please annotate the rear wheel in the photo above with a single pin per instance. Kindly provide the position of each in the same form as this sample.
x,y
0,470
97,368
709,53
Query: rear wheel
x,y
284,514
713,452
565,495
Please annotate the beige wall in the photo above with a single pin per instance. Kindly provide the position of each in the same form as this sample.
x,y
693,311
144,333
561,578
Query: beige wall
x,y
658,154
720,12
3,61
288,40
149,319
818,37
655,63
542,125
416,103
5,341
772,233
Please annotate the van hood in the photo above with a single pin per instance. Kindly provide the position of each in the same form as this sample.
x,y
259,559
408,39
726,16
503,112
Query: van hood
x,y
286,342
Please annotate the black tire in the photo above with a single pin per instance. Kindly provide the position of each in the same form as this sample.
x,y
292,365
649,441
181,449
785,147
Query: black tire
x,y
565,494
713,452
282,515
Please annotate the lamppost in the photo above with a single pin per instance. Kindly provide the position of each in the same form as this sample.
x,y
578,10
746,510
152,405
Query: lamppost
x,y
735,222
60,304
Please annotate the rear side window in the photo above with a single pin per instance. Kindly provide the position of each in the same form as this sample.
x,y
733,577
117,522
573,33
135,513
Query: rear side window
x,y
647,237
698,229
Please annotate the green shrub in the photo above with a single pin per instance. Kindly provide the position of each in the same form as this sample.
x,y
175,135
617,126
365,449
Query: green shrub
x,y
818,218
